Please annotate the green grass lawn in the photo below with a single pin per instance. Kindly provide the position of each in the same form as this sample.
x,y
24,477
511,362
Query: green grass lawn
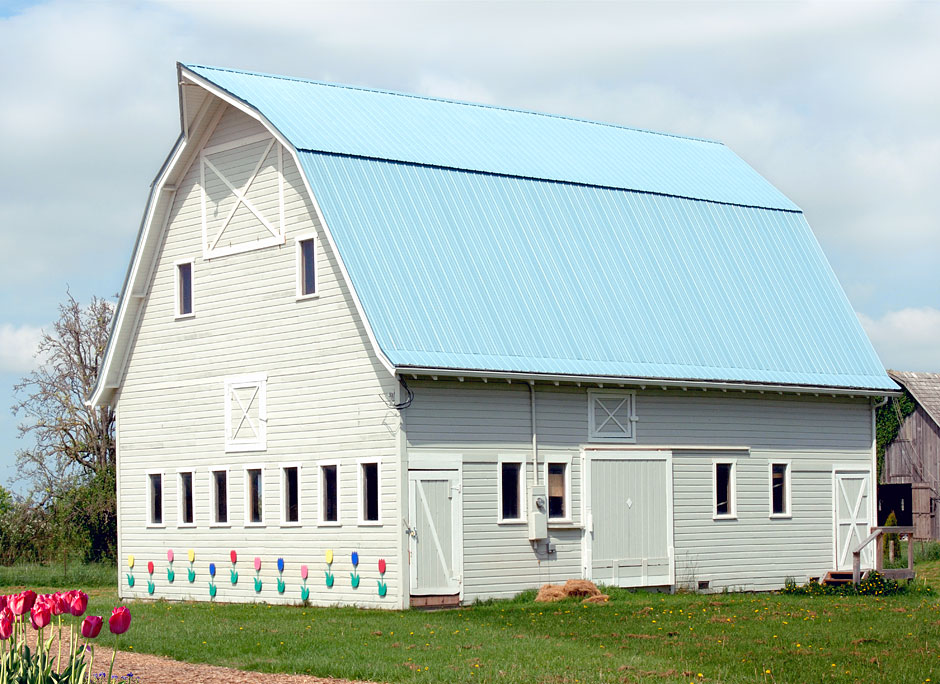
x,y
637,637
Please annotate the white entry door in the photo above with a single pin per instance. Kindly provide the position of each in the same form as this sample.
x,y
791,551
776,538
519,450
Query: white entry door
x,y
852,516
631,534
434,523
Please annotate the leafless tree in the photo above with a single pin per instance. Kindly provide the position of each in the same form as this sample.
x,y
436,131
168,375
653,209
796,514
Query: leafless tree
x,y
72,441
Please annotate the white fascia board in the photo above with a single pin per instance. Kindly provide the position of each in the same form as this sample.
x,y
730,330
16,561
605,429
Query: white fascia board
x,y
608,381
128,304
227,97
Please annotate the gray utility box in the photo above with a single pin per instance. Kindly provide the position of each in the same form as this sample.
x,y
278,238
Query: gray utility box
x,y
538,513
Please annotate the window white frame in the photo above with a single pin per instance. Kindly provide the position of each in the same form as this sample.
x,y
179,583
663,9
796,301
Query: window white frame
x,y
502,459
177,300
210,243
629,430
361,493
237,412
284,503
787,489
150,522
247,488
569,504
311,237
180,522
321,490
732,489
213,518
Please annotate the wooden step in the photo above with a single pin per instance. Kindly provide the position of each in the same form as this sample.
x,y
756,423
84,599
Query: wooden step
x,y
436,601
837,577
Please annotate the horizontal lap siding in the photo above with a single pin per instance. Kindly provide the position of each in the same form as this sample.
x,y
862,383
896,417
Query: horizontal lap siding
x,y
325,400
483,420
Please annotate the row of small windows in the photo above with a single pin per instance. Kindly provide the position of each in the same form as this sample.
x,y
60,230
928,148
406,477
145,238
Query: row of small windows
x,y
724,478
306,276
256,508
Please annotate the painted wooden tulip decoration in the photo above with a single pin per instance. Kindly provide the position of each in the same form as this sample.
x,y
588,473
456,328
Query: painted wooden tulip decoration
x,y
192,570
329,563
383,588
281,586
170,575
212,587
304,590
257,575
150,585
354,575
130,574
233,574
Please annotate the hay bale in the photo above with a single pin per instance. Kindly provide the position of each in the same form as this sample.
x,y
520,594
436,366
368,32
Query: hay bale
x,y
574,587
550,592
600,598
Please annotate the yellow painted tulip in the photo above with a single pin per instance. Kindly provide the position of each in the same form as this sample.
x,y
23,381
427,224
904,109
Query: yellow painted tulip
x,y
192,555
329,556
130,561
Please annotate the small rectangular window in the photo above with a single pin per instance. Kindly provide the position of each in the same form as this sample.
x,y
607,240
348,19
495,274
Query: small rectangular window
x,y
329,493
510,491
186,499
156,498
291,503
724,490
184,288
369,491
220,497
306,266
780,489
254,494
558,490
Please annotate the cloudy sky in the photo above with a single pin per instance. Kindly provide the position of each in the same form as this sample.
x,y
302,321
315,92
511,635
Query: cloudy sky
x,y
836,103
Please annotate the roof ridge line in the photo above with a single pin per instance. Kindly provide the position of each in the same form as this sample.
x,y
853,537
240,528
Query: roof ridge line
x,y
547,180
458,102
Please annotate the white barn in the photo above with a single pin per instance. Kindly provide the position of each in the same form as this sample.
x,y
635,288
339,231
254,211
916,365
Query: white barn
x,y
474,349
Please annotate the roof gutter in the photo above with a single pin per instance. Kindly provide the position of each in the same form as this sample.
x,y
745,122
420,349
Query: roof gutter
x,y
643,383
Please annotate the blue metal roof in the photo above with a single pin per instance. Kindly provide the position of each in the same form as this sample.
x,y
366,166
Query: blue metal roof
x,y
461,269
324,117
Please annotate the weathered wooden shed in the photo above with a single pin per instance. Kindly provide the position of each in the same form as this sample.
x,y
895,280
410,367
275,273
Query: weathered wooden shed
x,y
390,350
913,457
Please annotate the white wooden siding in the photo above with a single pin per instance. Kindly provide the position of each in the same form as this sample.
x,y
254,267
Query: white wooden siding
x,y
483,420
326,399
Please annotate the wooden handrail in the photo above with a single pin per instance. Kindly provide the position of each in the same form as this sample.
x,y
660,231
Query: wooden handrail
x,y
876,533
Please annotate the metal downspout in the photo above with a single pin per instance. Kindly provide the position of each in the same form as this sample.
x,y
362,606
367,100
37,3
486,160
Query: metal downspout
x,y
535,439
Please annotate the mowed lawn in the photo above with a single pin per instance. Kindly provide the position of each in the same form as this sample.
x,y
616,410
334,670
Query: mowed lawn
x,y
636,637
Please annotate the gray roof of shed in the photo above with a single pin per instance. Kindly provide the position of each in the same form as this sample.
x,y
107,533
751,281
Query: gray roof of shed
x,y
924,387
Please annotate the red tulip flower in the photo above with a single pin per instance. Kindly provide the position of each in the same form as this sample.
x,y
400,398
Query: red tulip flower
x,y
4,600
382,566
91,626
23,602
234,557
59,604
40,615
78,603
6,626
150,567
120,620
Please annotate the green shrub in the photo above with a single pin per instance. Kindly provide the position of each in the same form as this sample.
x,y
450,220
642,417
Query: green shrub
x,y
875,584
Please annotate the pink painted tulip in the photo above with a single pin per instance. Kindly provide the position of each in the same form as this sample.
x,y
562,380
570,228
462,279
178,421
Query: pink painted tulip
x,y
381,566
303,572
257,563
120,620
169,555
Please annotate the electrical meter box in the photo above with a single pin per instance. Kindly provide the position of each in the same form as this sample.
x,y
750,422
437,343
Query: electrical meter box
x,y
538,513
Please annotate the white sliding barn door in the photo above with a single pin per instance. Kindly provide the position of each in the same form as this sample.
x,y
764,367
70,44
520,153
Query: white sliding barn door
x,y
631,535
434,521
852,516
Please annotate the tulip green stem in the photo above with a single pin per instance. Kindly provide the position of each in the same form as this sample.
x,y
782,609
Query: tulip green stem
x,y
91,661
117,638
58,662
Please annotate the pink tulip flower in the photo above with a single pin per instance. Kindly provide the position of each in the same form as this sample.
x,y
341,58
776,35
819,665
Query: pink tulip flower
x,y
91,626
120,620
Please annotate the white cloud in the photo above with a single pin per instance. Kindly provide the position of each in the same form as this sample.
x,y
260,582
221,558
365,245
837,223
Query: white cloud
x,y
908,339
18,347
